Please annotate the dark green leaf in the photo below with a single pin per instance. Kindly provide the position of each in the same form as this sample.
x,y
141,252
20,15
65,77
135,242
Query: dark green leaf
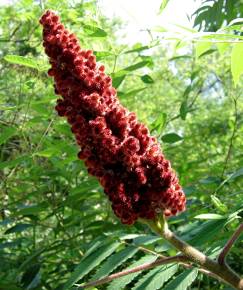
x,y
132,92
117,80
18,228
120,283
183,110
204,232
137,48
114,261
7,133
12,163
31,209
89,263
146,240
136,66
207,52
156,278
184,56
147,79
171,138
236,174
182,281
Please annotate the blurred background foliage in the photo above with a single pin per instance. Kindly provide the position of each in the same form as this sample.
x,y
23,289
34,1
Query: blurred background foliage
x,y
56,225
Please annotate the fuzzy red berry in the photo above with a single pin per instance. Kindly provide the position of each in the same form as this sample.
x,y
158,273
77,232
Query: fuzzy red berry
x,y
115,147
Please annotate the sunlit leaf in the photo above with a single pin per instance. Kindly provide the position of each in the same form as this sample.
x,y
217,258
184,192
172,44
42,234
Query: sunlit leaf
x,y
94,31
202,47
209,216
163,5
21,60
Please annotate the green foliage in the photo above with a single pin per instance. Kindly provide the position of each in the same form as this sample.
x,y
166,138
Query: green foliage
x,y
211,15
237,62
156,278
56,225
90,262
183,281
120,283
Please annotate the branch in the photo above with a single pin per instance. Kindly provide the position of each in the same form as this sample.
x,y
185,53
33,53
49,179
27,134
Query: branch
x,y
169,260
223,271
229,244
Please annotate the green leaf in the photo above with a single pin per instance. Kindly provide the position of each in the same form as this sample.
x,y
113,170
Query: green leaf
x,y
12,163
209,216
136,66
210,180
102,54
21,60
114,261
18,228
94,31
207,52
120,283
146,240
218,204
137,48
202,47
9,286
147,79
205,232
171,138
117,80
236,174
182,281
156,278
187,91
183,110
222,47
7,133
163,5
159,123
47,152
132,92
31,209
89,263
237,62
178,57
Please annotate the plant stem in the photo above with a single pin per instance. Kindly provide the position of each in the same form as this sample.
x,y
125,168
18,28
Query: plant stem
x,y
224,272
229,244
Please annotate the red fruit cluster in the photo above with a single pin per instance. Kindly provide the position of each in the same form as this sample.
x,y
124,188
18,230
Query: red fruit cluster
x,y
115,147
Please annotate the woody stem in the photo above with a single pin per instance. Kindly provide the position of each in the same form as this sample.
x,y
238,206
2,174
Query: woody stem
x,y
223,271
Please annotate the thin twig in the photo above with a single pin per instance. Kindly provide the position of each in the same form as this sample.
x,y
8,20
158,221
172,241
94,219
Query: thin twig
x,y
229,244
